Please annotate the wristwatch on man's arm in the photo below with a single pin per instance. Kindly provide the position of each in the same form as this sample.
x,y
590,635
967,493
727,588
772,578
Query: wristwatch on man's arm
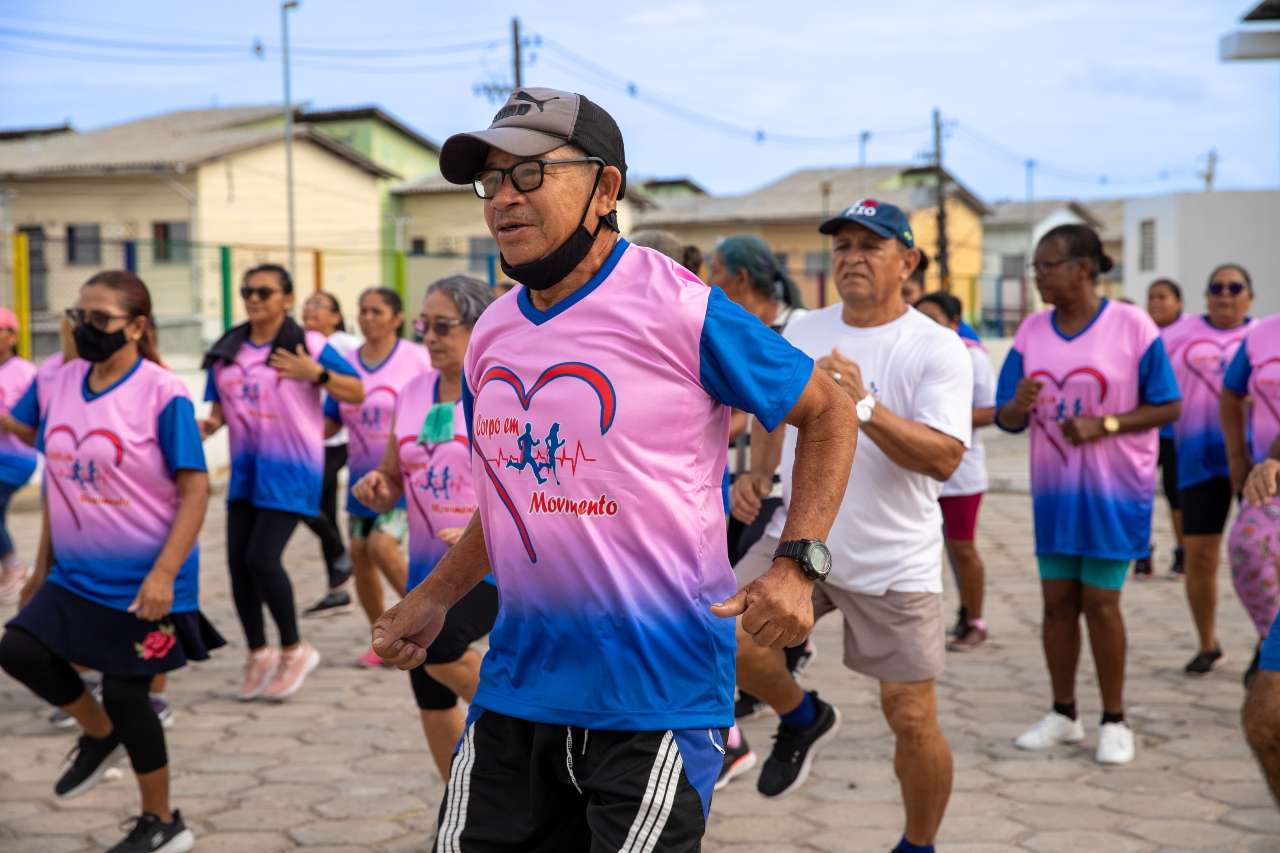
x,y
810,555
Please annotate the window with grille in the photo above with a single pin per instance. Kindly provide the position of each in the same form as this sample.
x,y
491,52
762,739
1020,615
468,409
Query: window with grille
x,y
84,245
1147,245
171,242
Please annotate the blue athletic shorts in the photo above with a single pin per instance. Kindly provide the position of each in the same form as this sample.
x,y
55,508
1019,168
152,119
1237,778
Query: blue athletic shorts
x,y
1270,659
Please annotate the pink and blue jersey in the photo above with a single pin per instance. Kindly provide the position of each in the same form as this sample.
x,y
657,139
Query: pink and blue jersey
x,y
1166,431
369,423
111,463
1200,353
1093,500
599,431
17,460
438,482
276,427
1255,372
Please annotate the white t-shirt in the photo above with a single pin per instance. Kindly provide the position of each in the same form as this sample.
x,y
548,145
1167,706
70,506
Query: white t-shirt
x,y
345,343
888,532
971,477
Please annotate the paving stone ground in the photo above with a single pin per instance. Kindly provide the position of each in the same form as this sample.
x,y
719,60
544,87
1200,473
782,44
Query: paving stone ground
x,y
343,767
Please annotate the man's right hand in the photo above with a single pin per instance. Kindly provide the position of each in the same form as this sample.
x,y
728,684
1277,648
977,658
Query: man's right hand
x,y
1025,395
402,635
208,426
776,608
747,495
1262,483
374,491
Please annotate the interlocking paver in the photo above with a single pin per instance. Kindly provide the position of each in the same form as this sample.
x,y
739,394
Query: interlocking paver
x,y
344,766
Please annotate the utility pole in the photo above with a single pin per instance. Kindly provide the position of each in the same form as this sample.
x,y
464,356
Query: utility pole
x,y
288,132
944,266
863,138
517,72
1031,239
1210,169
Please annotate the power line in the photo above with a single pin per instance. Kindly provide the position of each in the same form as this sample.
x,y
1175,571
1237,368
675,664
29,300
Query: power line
x,y
125,60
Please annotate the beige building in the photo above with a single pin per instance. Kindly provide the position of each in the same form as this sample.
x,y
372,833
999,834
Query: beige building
x,y
161,195
786,214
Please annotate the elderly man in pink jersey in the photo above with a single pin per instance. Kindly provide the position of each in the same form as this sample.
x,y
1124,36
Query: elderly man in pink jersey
x,y
597,398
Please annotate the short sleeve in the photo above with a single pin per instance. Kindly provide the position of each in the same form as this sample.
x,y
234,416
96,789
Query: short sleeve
x,y
180,437
1156,383
984,379
1238,372
211,387
27,409
747,365
334,362
943,396
468,408
1011,373
331,410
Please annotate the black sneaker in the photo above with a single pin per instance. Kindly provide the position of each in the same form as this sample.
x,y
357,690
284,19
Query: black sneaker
x,y
794,749
90,759
1252,672
799,660
333,603
1205,662
1142,566
747,707
1178,569
340,571
151,835
737,760
962,623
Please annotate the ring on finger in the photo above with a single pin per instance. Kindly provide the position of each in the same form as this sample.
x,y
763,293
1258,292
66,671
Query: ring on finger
x,y
836,375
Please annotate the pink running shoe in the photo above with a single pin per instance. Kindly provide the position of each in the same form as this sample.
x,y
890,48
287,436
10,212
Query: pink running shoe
x,y
294,668
258,670
370,659
12,580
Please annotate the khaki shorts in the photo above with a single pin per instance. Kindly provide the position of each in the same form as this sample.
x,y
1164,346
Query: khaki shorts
x,y
897,637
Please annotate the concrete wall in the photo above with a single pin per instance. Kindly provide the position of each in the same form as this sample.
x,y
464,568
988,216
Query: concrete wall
x,y
1197,231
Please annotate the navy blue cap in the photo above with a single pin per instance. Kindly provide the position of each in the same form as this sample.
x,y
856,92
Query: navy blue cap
x,y
883,218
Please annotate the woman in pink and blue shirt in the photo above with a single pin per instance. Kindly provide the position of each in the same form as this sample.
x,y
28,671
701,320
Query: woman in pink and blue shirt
x,y
1201,348
17,459
1092,380
117,585
265,379
429,462
384,364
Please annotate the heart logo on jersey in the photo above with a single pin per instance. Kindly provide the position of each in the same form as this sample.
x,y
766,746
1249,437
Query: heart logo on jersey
x,y
414,488
1267,388
1206,359
595,379
385,390
78,442
1055,437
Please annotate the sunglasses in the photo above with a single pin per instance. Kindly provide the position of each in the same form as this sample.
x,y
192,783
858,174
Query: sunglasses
x,y
526,176
100,320
441,328
263,293
1235,288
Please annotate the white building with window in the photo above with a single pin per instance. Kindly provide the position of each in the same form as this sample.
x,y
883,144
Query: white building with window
x,y
1183,236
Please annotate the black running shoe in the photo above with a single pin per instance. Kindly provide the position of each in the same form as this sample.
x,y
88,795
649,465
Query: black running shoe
x,y
1142,566
1178,569
333,603
340,571
90,759
798,661
747,707
962,622
150,835
794,749
1252,672
737,760
1205,662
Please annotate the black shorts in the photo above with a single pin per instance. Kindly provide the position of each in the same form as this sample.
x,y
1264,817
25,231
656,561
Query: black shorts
x,y
1205,507
1169,472
529,787
467,621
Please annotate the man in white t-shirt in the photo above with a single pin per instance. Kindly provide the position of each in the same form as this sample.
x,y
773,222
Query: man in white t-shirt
x,y
911,384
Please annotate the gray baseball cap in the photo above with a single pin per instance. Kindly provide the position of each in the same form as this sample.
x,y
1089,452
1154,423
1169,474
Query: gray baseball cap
x,y
534,121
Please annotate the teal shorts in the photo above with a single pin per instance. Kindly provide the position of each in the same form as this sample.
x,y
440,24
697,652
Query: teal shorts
x,y
1091,571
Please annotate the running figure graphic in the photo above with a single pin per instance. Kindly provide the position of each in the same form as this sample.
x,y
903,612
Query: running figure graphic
x,y
526,442
553,445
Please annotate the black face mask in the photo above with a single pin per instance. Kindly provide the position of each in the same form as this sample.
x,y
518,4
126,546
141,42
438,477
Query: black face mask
x,y
551,270
95,345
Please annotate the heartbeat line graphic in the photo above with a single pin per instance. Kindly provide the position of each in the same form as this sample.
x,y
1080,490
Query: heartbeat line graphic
x,y
579,455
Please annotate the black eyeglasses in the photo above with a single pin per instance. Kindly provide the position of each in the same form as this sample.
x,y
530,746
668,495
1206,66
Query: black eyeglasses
x,y
263,293
1235,288
526,176
98,319
1042,267
441,328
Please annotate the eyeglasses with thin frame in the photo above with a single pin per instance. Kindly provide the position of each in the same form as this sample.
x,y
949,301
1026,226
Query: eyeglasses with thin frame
x,y
526,176
100,320
1235,288
441,328
263,293
1042,267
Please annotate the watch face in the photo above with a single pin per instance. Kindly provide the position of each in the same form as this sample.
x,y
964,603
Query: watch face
x,y
818,558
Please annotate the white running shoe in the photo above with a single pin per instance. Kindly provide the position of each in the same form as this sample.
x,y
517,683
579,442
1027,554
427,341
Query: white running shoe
x,y
1052,730
1115,744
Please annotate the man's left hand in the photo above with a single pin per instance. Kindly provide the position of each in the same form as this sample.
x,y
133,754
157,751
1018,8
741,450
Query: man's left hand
x,y
1082,430
776,608
845,373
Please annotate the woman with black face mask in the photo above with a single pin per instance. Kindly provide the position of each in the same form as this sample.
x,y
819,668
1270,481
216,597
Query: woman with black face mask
x,y
115,586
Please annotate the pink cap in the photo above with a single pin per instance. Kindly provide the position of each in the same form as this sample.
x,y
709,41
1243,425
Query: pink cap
x,y
8,319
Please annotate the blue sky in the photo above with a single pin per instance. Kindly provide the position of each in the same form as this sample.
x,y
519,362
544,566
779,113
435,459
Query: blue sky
x,y
1130,90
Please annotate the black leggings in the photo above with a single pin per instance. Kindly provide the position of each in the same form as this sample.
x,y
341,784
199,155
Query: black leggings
x,y
127,700
255,542
325,525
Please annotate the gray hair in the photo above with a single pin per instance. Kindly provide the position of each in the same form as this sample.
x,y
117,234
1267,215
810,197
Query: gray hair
x,y
470,296
661,241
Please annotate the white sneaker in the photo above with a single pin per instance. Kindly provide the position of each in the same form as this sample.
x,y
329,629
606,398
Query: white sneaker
x,y
1115,744
1052,730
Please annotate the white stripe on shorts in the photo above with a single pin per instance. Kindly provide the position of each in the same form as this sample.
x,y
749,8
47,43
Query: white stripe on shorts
x,y
457,794
659,796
